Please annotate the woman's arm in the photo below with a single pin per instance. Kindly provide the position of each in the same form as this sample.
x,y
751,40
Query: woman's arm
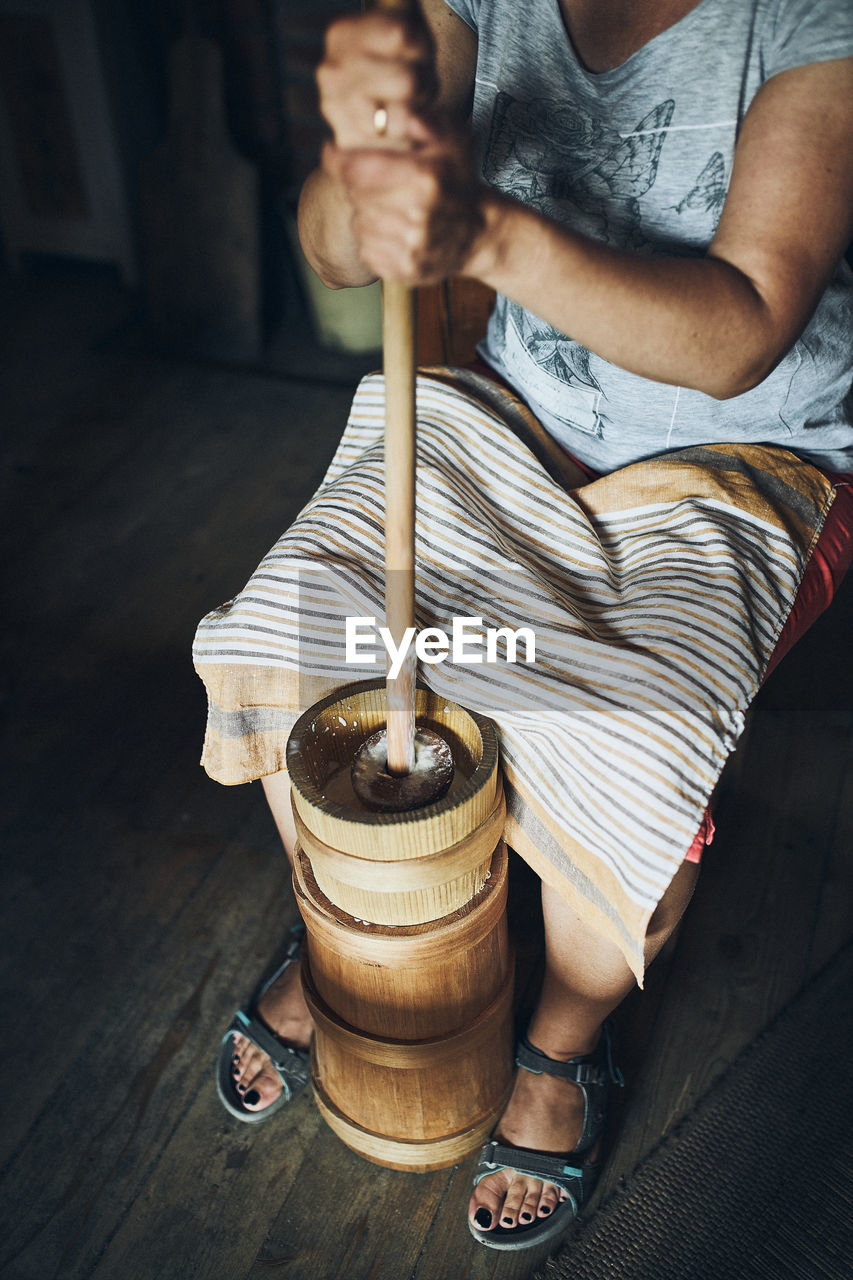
x,y
718,324
408,207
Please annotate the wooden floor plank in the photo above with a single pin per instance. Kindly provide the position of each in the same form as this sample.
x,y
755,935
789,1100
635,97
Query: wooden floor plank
x,y
362,1221
112,849
835,907
164,984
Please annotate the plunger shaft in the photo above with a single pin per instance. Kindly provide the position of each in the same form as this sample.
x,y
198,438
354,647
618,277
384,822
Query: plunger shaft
x,y
397,768
398,345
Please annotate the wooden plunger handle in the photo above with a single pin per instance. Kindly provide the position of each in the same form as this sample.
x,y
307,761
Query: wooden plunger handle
x,y
398,358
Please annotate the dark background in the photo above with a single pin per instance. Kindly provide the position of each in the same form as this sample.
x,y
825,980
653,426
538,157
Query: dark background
x,y
168,139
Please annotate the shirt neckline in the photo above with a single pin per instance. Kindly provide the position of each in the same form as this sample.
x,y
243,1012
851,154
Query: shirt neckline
x,y
627,67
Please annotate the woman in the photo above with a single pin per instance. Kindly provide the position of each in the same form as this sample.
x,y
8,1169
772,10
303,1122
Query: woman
x,y
671,184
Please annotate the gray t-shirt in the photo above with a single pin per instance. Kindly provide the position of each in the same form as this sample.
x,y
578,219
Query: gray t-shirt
x,y
640,157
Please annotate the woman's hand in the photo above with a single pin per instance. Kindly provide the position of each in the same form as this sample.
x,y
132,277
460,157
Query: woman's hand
x,y
416,213
375,62
407,175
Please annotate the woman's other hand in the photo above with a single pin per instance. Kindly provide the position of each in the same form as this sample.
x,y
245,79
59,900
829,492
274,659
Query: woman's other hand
x,y
415,214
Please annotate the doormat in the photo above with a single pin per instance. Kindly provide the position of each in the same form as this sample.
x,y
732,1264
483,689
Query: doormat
x,y
756,1183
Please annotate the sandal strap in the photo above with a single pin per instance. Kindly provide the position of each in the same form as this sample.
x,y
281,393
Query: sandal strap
x,y
535,1164
292,1066
594,1068
591,1072
292,955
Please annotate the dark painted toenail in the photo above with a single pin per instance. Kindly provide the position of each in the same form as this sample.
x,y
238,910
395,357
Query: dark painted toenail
x,y
483,1218
252,1098
507,1222
526,1217
545,1209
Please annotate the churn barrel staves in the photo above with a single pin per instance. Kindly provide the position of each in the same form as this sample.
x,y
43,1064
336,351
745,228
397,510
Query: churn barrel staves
x,y
407,967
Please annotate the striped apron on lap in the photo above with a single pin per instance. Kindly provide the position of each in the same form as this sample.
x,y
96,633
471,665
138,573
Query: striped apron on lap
x,y
655,594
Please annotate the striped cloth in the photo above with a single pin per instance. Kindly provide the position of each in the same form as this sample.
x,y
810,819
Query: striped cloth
x,y
656,596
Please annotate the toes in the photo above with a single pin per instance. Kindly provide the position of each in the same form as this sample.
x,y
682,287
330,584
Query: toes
x,y
504,1200
483,1218
550,1197
513,1201
260,1090
530,1205
486,1202
246,1062
254,1078
238,1053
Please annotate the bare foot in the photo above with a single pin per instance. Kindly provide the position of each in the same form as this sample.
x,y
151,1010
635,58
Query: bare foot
x,y
545,1115
285,1012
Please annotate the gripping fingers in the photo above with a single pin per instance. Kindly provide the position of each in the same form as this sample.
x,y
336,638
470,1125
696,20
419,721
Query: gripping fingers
x,y
370,61
412,217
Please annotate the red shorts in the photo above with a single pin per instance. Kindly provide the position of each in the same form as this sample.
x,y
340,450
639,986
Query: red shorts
x,y
829,562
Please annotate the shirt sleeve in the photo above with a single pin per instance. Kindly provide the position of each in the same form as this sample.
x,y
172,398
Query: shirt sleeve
x,y
806,31
467,10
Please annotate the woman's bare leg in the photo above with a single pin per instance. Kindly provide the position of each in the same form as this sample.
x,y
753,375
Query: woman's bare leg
x,y
283,1007
277,791
586,977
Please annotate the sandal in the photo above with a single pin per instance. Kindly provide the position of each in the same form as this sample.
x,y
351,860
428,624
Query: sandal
x,y
290,1065
592,1073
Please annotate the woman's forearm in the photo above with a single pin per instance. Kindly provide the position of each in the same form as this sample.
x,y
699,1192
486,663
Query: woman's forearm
x,y
699,323
704,324
325,232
